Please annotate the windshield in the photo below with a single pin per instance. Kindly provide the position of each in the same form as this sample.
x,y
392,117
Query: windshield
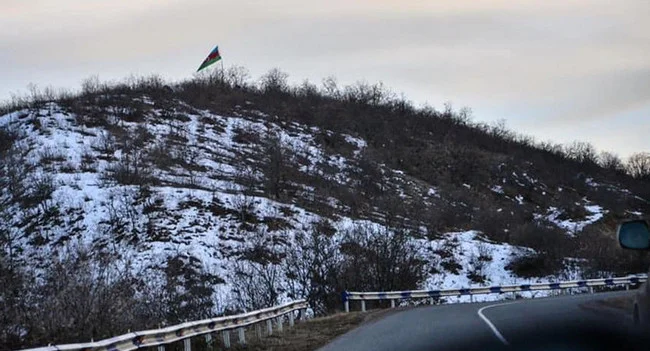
x,y
345,175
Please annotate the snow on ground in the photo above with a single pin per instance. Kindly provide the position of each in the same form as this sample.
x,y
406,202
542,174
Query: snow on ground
x,y
497,189
193,229
572,225
474,254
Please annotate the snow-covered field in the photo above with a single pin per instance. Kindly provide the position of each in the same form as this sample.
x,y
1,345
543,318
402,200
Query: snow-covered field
x,y
199,216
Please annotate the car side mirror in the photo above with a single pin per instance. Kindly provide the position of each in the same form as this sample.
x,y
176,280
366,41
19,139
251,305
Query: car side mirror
x,y
634,235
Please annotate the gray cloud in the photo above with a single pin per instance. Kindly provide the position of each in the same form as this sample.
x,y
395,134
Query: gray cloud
x,y
557,62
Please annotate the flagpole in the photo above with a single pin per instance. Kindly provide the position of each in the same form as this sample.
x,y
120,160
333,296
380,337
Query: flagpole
x,y
222,71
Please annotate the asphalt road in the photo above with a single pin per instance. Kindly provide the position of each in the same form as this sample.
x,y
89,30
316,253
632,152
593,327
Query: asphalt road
x,y
480,326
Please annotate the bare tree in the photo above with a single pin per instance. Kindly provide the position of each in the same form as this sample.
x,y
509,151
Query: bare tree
x,y
105,144
84,295
274,81
188,289
131,168
377,259
611,161
582,152
312,268
256,285
14,295
275,166
330,87
237,76
40,188
638,165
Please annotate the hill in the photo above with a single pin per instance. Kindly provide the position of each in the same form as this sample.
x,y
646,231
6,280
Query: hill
x,y
131,204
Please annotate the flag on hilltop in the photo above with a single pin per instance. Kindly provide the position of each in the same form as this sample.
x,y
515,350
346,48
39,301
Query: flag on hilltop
x,y
213,57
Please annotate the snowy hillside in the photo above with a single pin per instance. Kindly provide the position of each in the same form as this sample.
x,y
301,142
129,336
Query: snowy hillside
x,y
194,210
232,208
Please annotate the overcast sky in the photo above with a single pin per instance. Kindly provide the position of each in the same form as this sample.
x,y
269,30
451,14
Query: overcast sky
x,y
559,70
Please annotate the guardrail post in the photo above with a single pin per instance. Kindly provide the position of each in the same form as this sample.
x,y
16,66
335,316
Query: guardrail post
x,y
291,319
471,298
591,289
347,306
187,344
346,301
627,286
432,301
161,347
363,305
226,338
258,331
208,339
269,327
392,303
279,321
242,336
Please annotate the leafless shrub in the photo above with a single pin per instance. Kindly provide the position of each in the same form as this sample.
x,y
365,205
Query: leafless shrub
x,y
83,297
14,294
88,162
610,161
8,136
275,166
371,179
274,81
476,270
39,190
484,253
159,154
245,135
551,245
581,152
50,154
366,94
131,168
376,260
188,290
124,218
330,87
105,143
245,207
256,285
604,256
313,269
307,90
236,76
92,85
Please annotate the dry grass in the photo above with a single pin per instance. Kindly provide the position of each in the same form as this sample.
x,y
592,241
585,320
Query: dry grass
x,y
310,334
621,303
612,306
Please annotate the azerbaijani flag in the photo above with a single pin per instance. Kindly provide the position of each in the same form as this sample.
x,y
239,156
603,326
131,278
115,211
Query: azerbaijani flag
x,y
213,57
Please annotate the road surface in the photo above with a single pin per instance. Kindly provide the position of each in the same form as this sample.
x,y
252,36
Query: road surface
x,y
480,326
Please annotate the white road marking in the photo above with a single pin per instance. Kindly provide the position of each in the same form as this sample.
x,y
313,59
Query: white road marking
x,y
496,331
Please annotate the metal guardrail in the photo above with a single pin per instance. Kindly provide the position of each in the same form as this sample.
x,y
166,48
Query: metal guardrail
x,y
188,330
414,294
